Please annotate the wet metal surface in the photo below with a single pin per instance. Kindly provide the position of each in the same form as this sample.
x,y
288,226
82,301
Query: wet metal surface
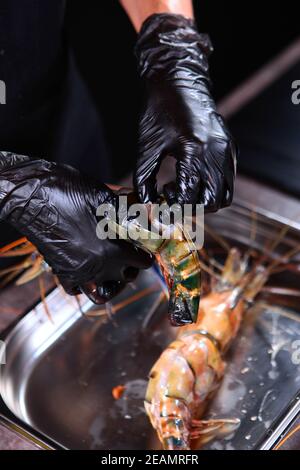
x,y
59,375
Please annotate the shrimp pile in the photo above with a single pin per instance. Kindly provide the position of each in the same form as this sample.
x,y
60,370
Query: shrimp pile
x,y
189,370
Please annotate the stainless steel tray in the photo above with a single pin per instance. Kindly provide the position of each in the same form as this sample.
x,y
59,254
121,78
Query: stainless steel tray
x,y
59,375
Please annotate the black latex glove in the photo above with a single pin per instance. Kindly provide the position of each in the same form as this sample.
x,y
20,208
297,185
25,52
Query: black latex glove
x,y
54,206
180,117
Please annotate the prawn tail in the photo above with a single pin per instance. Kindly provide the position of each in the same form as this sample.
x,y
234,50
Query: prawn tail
x,y
185,290
175,435
183,305
172,428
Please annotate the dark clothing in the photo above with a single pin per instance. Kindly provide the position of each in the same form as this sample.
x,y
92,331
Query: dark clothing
x,y
48,111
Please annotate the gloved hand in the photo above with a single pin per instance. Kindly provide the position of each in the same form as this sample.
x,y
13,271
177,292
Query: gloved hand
x,y
54,206
180,117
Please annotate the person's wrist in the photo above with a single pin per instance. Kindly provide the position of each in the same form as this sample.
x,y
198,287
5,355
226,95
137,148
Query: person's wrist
x,y
167,21
21,178
9,160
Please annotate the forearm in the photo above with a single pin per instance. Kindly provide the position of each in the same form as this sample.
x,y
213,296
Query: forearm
x,y
139,10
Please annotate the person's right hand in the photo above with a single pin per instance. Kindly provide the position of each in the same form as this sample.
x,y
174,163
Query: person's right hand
x,y
54,206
